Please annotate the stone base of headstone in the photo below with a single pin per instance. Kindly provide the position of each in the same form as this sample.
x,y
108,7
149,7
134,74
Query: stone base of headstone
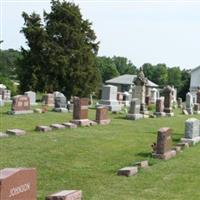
x,y
57,126
69,125
170,114
2,135
192,141
190,111
165,156
134,116
17,132
20,112
64,110
112,106
93,123
66,195
128,171
104,122
43,128
38,110
81,122
142,164
183,145
160,114
196,112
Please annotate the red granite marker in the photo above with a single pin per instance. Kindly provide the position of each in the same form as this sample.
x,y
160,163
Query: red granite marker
x,y
18,184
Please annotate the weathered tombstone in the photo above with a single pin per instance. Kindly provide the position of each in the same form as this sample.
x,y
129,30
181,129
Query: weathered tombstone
x,y
192,131
134,110
32,97
21,105
174,94
180,101
80,112
6,95
196,108
164,144
48,99
168,101
102,115
60,103
189,103
109,98
18,184
198,95
66,195
160,107
139,90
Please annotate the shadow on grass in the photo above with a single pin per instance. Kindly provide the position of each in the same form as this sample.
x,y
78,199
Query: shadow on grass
x,y
144,154
120,117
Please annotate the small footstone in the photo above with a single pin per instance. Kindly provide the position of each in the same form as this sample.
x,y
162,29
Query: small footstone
x,y
183,145
128,171
17,132
57,126
69,125
3,135
177,149
43,128
66,195
142,164
38,110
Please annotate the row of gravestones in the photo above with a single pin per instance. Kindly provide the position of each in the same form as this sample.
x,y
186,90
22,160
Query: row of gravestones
x,y
163,149
21,184
191,107
21,103
163,106
80,118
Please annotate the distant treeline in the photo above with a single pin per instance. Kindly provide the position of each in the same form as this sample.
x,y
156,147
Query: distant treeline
x,y
159,74
108,68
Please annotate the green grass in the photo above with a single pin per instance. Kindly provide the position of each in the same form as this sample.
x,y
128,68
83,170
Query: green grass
x,y
88,158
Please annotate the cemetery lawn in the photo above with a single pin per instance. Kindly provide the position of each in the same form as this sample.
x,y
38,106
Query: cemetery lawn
x,y
88,158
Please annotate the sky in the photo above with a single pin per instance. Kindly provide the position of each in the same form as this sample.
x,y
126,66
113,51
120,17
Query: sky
x,y
143,31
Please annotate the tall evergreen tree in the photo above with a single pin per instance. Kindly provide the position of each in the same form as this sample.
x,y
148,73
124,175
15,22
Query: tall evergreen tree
x,y
63,57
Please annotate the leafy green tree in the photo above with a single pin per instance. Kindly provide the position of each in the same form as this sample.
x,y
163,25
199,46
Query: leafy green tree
x,y
124,66
107,68
62,52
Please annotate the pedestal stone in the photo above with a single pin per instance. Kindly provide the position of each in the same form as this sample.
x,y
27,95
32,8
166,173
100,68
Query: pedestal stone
x,y
102,115
168,101
189,103
134,111
164,144
80,112
160,108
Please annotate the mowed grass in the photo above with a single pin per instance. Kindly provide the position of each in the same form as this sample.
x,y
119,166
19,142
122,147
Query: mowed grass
x,y
88,158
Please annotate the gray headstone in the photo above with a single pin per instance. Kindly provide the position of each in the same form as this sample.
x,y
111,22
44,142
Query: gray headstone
x,y
134,106
189,103
109,92
32,97
191,128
